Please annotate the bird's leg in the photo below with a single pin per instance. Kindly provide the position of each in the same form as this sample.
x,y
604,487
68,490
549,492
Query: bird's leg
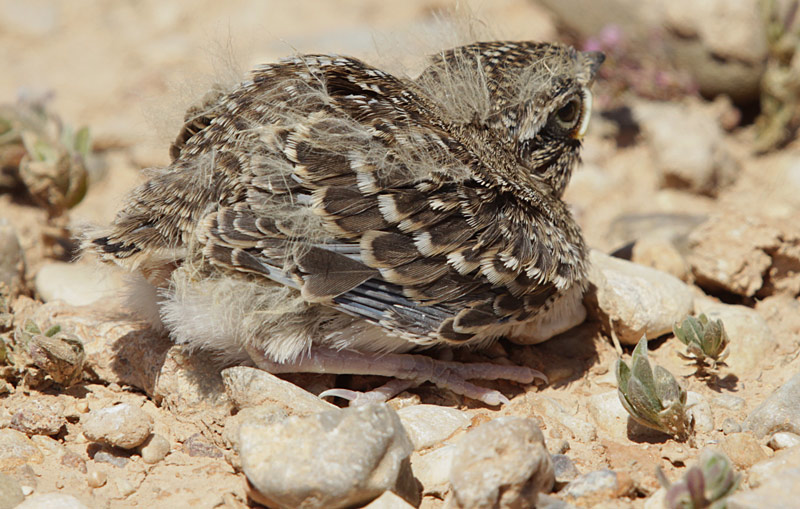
x,y
406,367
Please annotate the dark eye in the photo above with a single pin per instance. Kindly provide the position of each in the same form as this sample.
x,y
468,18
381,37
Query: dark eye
x,y
567,116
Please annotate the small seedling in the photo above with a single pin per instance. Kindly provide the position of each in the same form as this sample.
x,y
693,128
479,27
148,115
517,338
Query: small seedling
x,y
652,396
705,485
706,340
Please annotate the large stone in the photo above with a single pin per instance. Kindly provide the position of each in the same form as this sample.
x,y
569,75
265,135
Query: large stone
x,y
634,300
746,254
779,492
77,284
502,463
332,459
779,412
687,145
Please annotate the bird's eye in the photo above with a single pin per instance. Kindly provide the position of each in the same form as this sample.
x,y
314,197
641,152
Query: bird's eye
x,y
567,116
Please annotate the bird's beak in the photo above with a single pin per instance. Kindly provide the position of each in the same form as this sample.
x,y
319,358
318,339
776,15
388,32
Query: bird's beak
x,y
585,114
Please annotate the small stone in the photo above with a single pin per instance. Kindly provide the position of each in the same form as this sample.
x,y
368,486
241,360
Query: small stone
x,y
728,401
634,300
743,450
661,254
154,449
730,426
248,387
783,440
38,417
751,339
10,492
190,385
122,425
502,463
197,446
675,453
550,502
551,409
60,355
592,484
96,479
778,492
112,457
73,460
124,486
389,500
432,469
51,500
16,449
77,284
427,425
336,458
564,468
779,412
782,461
700,410
613,420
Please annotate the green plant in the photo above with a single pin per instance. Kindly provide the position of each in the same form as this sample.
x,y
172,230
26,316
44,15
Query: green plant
x,y
705,485
652,396
705,340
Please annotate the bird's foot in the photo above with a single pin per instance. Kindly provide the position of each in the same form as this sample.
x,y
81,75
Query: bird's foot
x,y
409,370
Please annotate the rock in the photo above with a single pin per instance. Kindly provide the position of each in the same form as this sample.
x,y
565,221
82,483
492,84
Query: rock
x,y
687,145
697,37
751,340
657,500
612,419
746,254
581,430
154,449
779,412
113,457
77,284
52,500
122,425
728,401
432,469
388,500
16,449
782,461
550,502
743,450
266,414
39,417
502,463
721,43
190,384
248,387
698,407
592,484
12,258
428,425
564,468
634,300
197,446
60,355
779,492
10,492
661,254
783,440
630,228
730,426
336,458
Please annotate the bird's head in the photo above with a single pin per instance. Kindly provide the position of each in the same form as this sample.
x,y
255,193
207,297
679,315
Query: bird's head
x,y
535,96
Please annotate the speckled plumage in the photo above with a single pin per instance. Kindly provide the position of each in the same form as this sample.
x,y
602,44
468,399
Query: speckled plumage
x,y
325,202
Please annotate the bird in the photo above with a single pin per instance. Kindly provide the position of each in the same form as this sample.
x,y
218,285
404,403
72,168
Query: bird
x,y
327,216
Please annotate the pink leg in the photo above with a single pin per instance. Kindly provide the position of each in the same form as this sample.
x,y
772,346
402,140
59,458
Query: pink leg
x,y
417,368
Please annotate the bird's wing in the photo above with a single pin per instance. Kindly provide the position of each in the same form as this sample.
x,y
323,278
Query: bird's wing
x,y
358,195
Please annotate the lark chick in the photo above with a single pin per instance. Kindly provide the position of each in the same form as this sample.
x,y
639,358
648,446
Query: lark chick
x,y
327,216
